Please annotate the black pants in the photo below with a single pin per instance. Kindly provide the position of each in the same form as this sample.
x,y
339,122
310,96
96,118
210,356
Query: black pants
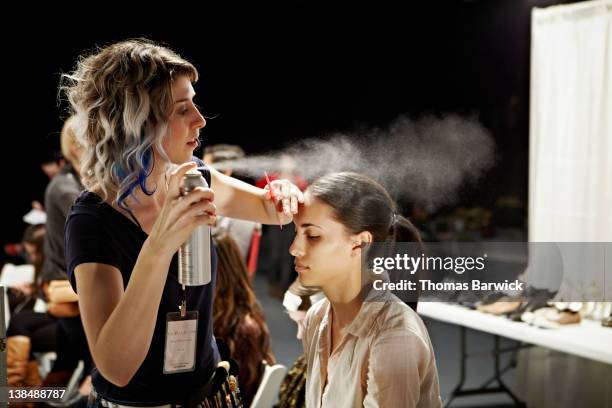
x,y
41,328
71,345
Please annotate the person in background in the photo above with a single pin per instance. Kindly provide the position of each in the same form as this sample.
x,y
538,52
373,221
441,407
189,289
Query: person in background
x,y
60,194
220,153
52,166
297,301
241,230
30,331
22,296
238,318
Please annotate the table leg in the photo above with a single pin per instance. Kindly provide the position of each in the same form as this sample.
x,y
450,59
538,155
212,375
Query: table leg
x,y
459,391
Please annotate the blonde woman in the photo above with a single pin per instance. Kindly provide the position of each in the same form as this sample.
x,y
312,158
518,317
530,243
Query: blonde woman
x,y
135,113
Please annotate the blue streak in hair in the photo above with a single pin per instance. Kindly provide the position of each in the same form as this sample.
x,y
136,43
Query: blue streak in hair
x,y
146,158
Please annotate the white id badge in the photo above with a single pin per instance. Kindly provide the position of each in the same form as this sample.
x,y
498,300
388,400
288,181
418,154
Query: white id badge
x,y
181,336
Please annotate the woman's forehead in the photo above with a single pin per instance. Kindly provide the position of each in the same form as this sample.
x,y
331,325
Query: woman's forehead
x,y
314,212
182,87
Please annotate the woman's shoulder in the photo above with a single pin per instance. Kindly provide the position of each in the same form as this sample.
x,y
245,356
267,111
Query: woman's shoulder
x,y
88,200
90,212
399,319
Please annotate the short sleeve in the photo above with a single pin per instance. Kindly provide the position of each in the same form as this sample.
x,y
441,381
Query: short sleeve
x,y
86,240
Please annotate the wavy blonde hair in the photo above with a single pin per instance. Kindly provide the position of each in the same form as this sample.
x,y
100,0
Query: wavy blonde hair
x,y
121,99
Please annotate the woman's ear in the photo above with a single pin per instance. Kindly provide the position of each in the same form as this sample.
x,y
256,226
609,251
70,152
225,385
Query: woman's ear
x,y
361,241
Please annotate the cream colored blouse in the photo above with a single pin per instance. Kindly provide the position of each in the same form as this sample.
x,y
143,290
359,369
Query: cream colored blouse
x,y
385,358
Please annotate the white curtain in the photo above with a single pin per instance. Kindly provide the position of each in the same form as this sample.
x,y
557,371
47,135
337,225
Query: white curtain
x,y
570,165
570,175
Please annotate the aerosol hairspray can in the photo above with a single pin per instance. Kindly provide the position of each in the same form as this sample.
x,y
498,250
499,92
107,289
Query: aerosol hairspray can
x,y
194,255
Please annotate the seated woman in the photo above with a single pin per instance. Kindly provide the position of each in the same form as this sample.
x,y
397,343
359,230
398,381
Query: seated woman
x,y
237,317
29,331
22,295
372,353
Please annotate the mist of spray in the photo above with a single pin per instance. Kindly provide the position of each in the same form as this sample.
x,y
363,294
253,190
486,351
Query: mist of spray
x,y
424,161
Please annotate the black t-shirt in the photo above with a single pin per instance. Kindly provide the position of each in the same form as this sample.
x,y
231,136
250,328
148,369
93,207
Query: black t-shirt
x,y
96,232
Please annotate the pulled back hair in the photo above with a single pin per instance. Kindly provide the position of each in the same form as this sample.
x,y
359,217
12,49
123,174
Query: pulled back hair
x,y
237,316
121,97
361,204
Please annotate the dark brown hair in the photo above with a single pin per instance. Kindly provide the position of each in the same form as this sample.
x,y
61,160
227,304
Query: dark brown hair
x,y
35,236
361,204
237,316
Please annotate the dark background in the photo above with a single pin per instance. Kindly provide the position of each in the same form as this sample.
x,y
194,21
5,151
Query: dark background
x,y
273,76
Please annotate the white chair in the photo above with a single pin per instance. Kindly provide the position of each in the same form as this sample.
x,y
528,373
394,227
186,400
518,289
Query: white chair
x,y
71,395
11,275
45,362
267,392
